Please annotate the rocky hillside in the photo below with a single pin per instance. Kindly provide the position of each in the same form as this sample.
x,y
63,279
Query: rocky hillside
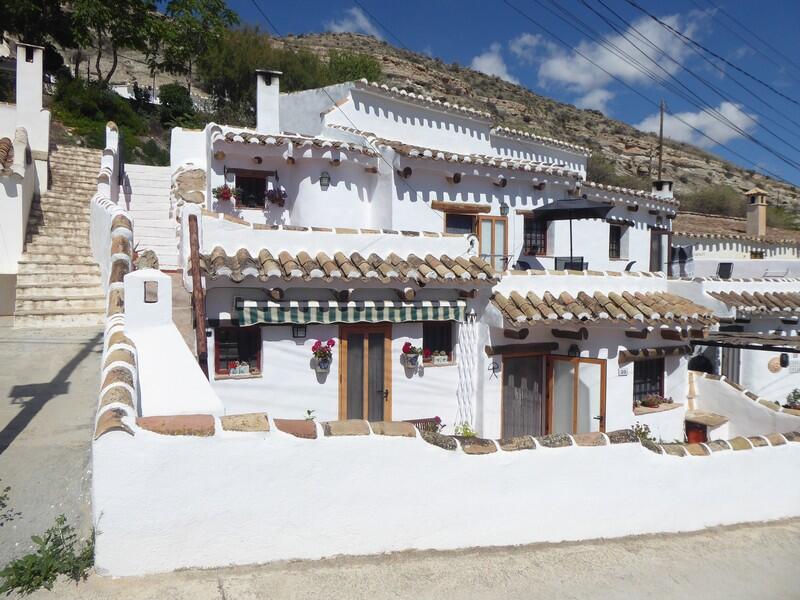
x,y
628,148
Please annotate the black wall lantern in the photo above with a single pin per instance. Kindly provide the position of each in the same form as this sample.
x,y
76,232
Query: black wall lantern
x,y
574,350
784,360
324,180
298,331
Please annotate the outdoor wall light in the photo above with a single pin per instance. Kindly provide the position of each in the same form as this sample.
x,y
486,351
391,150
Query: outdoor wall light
x,y
324,180
784,360
504,209
298,331
574,350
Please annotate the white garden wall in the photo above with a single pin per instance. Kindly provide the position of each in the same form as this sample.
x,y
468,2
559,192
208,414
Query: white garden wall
x,y
166,502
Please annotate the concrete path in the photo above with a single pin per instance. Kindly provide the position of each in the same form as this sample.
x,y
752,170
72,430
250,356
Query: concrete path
x,y
746,562
49,380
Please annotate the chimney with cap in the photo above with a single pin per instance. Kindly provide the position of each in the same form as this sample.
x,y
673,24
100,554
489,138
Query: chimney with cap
x,y
662,188
267,99
756,212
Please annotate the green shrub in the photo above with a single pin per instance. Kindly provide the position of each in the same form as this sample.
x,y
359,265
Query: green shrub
x,y
779,216
56,554
714,200
176,105
348,66
602,170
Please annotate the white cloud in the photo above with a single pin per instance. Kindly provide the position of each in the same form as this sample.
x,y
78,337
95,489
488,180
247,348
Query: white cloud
x,y
491,62
528,47
597,99
354,21
703,121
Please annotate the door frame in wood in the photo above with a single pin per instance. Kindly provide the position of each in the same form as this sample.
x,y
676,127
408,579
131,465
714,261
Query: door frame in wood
x,y
551,358
366,329
520,354
493,219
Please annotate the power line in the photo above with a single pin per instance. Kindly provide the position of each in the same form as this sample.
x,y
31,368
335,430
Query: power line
x,y
711,52
570,20
266,18
704,80
640,94
671,76
749,31
386,29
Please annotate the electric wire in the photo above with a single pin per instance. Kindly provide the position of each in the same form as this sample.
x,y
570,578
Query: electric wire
x,y
689,90
712,53
641,95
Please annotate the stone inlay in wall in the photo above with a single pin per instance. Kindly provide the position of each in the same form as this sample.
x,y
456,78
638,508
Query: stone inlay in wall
x,y
297,427
622,436
554,440
198,425
245,422
349,427
117,394
109,421
394,428
718,445
740,443
117,375
473,445
189,185
521,442
437,439
589,439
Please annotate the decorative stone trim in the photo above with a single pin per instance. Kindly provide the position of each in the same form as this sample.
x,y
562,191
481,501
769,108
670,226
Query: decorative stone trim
x,y
792,436
622,436
120,355
674,449
758,441
740,443
447,442
589,439
521,442
652,446
297,427
117,375
117,394
119,268
473,445
348,427
718,446
697,449
554,440
116,302
111,420
121,221
394,428
119,337
197,425
775,439
245,422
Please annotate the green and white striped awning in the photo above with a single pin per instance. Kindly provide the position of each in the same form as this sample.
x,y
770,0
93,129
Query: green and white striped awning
x,y
297,312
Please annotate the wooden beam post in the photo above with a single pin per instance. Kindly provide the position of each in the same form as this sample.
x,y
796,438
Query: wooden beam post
x,y
516,334
407,294
276,294
569,334
198,296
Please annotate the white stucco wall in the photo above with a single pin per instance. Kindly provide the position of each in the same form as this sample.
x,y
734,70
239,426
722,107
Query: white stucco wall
x,y
166,502
746,417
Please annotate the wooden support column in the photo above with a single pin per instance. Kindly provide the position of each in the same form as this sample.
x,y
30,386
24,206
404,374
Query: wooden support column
x,y
198,296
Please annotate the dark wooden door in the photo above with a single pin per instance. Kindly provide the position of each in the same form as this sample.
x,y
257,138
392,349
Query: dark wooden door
x,y
365,372
656,256
523,396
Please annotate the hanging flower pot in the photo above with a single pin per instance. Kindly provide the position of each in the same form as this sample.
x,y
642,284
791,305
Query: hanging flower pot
x,y
411,354
225,193
323,355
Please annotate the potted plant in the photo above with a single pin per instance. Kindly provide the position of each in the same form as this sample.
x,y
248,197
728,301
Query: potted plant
x,y
323,355
793,399
226,193
277,196
439,358
653,401
411,354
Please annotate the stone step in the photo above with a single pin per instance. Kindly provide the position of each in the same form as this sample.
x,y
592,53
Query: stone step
x,y
64,219
58,223
64,271
55,259
79,317
80,239
59,209
55,231
55,278
63,200
57,250
72,289
56,303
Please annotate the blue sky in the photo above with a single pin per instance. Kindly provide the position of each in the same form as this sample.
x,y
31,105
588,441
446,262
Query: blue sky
x,y
492,37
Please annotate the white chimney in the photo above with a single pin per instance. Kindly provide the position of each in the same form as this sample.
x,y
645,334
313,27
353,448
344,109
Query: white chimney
x,y
30,73
662,189
267,101
756,212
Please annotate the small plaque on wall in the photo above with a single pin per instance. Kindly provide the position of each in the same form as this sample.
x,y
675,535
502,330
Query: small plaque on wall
x,y
623,371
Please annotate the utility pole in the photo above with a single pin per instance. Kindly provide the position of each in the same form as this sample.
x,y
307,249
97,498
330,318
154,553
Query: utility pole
x,y
661,140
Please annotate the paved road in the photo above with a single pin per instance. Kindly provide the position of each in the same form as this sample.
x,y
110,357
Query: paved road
x,y
49,380
744,562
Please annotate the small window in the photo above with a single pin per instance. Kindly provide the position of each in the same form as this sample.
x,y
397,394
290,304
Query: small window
x,y
757,254
648,378
615,241
535,237
253,190
459,224
437,337
28,54
150,292
237,350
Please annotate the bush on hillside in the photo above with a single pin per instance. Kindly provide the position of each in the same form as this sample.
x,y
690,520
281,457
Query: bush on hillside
x,y
601,170
717,199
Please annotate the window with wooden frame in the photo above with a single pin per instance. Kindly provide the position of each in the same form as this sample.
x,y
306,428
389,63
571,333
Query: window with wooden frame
x,y
615,241
252,185
437,337
648,378
535,237
459,224
236,346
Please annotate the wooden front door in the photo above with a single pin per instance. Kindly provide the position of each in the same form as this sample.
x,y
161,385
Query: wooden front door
x,y
523,396
576,398
365,372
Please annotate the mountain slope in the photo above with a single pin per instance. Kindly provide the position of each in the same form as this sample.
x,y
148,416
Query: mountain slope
x,y
629,149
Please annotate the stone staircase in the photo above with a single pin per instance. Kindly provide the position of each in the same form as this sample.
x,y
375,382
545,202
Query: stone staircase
x,y
145,194
58,282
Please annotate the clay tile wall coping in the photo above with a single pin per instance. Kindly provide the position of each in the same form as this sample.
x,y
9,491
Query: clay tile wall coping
x,y
198,425
349,427
245,422
301,428
109,421
394,428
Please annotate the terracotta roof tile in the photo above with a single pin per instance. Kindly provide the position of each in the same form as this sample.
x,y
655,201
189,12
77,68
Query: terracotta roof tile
x,y
327,267
697,225
763,302
6,154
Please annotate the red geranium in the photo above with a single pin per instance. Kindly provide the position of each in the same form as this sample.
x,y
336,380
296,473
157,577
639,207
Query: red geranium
x,y
321,351
409,349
